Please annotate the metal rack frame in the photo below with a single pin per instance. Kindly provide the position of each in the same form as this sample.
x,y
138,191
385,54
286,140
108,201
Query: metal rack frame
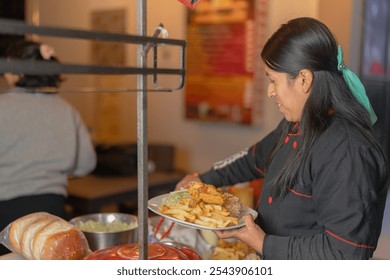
x,y
16,27
144,44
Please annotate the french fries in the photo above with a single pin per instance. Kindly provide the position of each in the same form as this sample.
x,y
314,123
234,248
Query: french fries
x,y
232,251
196,210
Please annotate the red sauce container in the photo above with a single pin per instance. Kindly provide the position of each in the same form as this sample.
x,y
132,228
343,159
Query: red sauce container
x,y
156,251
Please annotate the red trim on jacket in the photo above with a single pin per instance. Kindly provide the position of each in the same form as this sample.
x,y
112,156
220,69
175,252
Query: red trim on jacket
x,y
300,194
295,125
260,170
293,128
254,150
295,134
349,242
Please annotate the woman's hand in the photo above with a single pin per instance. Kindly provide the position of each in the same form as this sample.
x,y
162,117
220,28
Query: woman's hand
x,y
251,234
183,184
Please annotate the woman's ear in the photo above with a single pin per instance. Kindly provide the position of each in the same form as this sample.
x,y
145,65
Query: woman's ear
x,y
306,77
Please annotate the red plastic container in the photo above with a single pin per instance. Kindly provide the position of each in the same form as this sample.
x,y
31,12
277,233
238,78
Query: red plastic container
x,y
156,251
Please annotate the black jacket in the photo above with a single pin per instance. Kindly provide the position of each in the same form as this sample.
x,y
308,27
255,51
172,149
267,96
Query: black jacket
x,y
335,212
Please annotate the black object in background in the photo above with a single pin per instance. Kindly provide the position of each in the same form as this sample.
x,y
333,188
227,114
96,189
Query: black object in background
x,y
121,160
375,66
116,160
11,9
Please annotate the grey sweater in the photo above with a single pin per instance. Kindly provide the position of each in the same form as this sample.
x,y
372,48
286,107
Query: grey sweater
x,y
42,141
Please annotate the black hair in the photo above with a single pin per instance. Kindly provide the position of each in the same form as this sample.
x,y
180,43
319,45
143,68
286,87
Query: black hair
x,y
29,50
306,43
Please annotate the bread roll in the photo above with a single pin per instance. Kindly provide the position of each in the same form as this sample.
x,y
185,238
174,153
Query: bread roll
x,y
28,235
17,232
42,236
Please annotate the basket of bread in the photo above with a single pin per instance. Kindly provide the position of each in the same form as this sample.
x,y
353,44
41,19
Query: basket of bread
x,y
42,236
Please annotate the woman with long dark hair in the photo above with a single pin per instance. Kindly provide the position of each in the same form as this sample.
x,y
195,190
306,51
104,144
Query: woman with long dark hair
x,y
325,175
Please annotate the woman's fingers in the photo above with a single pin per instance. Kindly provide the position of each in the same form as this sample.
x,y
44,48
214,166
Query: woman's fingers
x,y
183,183
248,221
222,234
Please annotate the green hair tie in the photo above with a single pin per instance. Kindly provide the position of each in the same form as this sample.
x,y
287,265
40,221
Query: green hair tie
x,y
355,85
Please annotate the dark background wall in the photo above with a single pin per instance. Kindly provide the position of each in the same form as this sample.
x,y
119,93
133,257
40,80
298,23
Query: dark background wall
x,y
375,67
13,9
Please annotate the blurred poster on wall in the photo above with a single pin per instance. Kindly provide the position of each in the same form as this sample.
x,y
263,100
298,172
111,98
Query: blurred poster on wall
x,y
224,74
109,126
190,3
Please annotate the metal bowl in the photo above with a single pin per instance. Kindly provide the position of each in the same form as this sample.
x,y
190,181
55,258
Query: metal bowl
x,y
98,239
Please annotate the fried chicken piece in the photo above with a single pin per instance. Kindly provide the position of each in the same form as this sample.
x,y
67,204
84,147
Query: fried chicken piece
x,y
233,205
206,193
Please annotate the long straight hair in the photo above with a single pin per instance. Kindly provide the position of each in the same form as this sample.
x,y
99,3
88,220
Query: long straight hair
x,y
306,43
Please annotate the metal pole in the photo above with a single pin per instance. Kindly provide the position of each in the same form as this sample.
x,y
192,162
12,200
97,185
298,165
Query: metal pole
x,y
142,136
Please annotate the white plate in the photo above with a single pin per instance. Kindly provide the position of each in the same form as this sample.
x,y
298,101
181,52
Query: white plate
x,y
154,204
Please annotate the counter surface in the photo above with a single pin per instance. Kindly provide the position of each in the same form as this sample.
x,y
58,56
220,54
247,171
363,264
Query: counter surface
x,y
88,194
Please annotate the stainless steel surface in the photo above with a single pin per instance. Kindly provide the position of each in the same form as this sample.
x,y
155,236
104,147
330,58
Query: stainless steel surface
x,y
11,26
100,240
18,27
142,135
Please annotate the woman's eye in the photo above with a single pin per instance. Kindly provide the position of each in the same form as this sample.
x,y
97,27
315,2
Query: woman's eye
x,y
270,81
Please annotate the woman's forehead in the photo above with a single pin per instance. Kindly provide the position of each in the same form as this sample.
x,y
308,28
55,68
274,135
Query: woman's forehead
x,y
272,73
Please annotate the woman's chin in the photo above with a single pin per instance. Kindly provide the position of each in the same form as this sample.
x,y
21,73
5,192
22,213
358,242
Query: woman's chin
x,y
291,119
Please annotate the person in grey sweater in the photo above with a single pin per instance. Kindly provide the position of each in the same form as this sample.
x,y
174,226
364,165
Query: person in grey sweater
x,y
43,141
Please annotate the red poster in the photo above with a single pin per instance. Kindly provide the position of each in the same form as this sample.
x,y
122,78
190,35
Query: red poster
x,y
224,41
190,3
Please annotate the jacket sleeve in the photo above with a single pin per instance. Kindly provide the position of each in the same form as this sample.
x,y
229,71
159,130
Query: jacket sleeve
x,y
244,166
349,192
85,160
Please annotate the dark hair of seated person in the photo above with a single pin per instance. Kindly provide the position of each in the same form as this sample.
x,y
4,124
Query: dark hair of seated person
x,y
31,51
